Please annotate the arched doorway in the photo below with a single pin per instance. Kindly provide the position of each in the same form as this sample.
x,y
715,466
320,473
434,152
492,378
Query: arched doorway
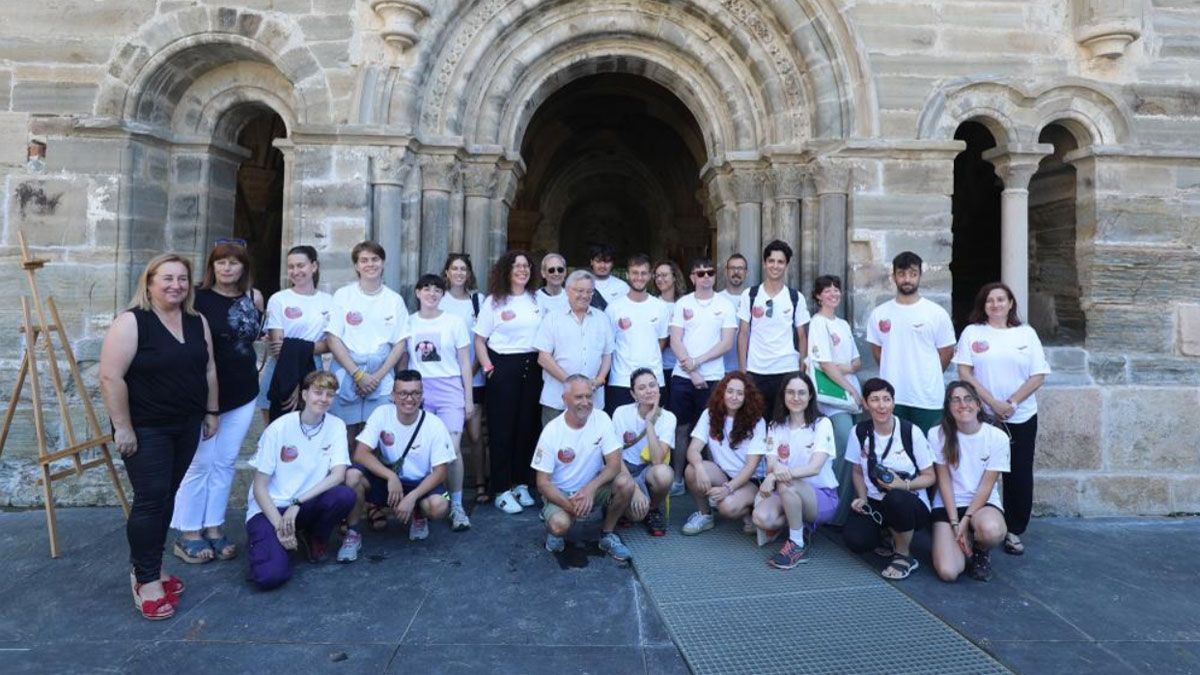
x,y
975,252
611,158
1054,290
258,198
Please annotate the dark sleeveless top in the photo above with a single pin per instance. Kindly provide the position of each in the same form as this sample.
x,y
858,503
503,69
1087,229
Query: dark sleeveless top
x,y
166,379
235,323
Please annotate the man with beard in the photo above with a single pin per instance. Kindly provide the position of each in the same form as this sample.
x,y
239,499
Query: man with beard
x,y
912,339
640,325
735,286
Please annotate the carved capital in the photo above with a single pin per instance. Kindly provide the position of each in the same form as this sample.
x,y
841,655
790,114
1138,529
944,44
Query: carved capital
x,y
390,168
747,185
401,19
479,180
786,181
439,172
832,177
1106,27
1016,166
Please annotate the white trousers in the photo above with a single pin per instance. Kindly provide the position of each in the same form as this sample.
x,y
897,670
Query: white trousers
x,y
204,493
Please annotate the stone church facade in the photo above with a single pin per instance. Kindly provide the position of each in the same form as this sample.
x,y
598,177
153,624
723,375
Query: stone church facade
x,y
1054,144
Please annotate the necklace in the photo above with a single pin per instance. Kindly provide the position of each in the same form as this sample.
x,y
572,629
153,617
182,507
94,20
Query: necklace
x,y
364,291
310,432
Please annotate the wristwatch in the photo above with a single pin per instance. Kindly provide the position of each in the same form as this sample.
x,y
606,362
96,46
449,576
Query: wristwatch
x,y
295,501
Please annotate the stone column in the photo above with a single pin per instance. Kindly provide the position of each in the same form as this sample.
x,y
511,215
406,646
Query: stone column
x,y
1015,167
291,235
809,208
439,173
508,179
722,213
833,196
388,173
787,181
748,190
479,184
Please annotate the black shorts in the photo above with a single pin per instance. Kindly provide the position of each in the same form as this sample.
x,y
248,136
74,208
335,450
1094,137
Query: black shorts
x,y
939,515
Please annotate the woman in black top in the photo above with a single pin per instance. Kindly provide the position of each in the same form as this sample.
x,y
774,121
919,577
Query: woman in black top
x,y
159,384
234,313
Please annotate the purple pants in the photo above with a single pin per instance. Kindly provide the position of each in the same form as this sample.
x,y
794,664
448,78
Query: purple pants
x,y
269,564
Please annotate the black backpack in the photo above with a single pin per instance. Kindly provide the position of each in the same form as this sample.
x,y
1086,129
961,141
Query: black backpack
x,y
794,295
865,431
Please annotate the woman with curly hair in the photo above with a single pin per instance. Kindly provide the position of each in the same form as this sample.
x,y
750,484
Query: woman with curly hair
x,y
732,429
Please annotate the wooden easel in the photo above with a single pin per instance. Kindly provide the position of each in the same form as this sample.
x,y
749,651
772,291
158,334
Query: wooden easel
x,y
38,336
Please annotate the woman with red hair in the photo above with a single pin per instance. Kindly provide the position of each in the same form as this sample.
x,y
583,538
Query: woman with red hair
x,y
732,429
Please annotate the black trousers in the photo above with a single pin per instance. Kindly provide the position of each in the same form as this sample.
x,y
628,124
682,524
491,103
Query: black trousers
x,y
902,511
155,472
514,418
1018,482
768,386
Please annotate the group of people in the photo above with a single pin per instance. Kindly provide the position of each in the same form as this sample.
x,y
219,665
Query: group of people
x,y
602,396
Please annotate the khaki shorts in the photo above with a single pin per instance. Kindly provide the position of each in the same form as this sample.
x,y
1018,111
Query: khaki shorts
x,y
603,496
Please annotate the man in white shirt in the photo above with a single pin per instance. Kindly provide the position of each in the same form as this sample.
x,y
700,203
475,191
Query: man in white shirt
x,y
736,269
912,339
608,287
771,321
640,326
578,464
401,460
578,340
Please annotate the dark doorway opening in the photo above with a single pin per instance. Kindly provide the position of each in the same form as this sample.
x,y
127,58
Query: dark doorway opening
x,y
1054,308
975,253
258,202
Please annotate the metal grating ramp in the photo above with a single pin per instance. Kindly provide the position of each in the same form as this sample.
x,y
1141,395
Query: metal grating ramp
x,y
728,612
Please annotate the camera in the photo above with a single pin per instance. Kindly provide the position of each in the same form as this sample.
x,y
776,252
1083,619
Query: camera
x,y
882,474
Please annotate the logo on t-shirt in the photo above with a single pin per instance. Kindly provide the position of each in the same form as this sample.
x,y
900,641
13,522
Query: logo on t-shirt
x,y
629,437
885,326
624,323
566,455
387,438
293,312
508,315
688,314
758,312
835,339
288,453
354,318
784,451
979,346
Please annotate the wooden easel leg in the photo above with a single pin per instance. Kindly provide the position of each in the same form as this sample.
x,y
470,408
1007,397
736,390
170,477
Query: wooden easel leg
x,y
51,518
12,400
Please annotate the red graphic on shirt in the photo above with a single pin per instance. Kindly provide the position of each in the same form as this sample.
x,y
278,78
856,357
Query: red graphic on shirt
x,y
293,312
508,315
354,318
288,453
784,451
387,438
688,314
835,339
979,346
624,323
758,312
566,455
629,437
885,326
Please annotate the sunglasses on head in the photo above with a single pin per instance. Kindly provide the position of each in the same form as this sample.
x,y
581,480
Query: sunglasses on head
x,y
555,270
233,241
705,273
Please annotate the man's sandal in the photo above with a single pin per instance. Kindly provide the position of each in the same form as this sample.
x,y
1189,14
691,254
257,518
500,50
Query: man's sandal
x,y
1013,545
481,493
901,566
377,516
193,551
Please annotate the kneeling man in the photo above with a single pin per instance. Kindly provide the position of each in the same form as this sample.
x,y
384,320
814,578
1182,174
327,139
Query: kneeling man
x,y
579,468
401,459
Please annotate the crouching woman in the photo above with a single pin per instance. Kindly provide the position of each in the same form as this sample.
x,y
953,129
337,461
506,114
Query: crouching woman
x,y
297,495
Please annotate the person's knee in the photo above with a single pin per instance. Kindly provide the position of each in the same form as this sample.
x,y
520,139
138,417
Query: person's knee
x,y
436,507
354,479
990,532
268,577
947,572
623,486
765,520
558,524
729,509
857,542
342,497
659,476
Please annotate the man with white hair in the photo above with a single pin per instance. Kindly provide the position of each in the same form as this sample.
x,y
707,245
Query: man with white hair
x,y
576,340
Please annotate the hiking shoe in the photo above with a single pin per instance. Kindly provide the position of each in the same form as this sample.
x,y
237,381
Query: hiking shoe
x,y
677,488
697,523
351,545
419,529
656,523
789,556
611,544
555,544
459,522
521,492
507,502
980,566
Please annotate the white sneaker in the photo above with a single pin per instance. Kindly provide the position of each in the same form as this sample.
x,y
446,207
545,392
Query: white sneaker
x,y
458,518
507,502
351,545
523,496
697,523
677,488
419,529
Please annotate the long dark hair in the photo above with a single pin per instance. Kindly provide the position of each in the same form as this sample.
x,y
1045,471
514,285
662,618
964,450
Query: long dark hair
x,y
950,427
744,420
979,308
499,283
310,253
780,414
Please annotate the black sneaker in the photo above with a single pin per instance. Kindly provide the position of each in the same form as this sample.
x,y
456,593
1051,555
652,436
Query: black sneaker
x,y
980,565
656,523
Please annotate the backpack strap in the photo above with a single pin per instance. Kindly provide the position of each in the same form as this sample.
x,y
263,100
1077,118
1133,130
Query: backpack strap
x,y
475,303
906,440
795,296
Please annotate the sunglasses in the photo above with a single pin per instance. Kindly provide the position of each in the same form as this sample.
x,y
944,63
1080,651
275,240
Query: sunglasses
x,y
555,270
770,305
232,241
705,273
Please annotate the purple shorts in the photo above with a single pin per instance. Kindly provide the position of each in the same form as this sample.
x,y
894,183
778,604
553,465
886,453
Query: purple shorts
x,y
444,398
827,503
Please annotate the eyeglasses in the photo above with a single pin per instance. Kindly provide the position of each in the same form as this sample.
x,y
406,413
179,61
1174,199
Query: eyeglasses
x,y
229,240
963,400
704,273
408,394
874,515
555,270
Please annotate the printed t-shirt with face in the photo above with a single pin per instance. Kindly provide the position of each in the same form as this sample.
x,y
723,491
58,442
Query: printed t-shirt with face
x,y
897,459
909,337
637,327
772,348
830,341
730,459
577,347
464,309
573,457
1002,359
299,316
730,360
702,322
433,349
628,425
511,326
386,435
984,450
611,288
294,461
794,448
364,323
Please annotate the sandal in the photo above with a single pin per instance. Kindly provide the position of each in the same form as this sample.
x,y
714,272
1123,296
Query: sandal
x,y
173,587
154,610
377,516
193,551
1013,545
481,494
901,566
220,545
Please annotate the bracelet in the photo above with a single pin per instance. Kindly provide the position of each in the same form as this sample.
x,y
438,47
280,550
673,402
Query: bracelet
x,y
214,413
359,375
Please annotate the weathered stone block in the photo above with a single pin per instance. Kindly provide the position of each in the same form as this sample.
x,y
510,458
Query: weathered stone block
x,y
1124,495
1185,494
14,137
326,28
53,97
1070,428
1055,495
1108,368
1067,359
1163,370
51,212
5,88
84,155
1188,320
1119,328
1148,428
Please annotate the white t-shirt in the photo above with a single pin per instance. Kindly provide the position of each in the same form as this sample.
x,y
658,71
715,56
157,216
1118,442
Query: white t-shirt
x,y
549,303
577,347
909,337
730,459
299,316
637,327
433,349
795,448
465,310
702,322
772,348
611,287
510,327
830,340
668,356
385,434
735,300
897,459
573,457
984,450
295,462
629,425
364,323
1002,360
